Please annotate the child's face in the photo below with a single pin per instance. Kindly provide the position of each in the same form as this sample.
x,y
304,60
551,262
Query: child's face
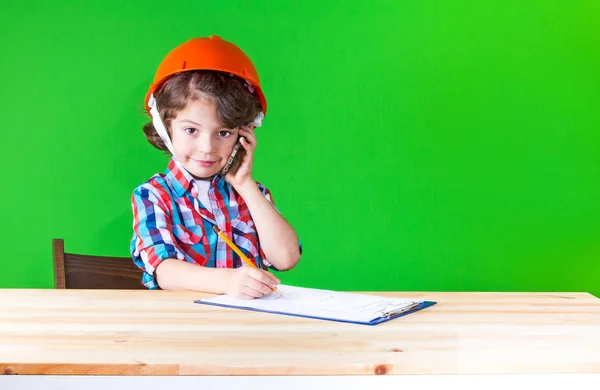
x,y
200,142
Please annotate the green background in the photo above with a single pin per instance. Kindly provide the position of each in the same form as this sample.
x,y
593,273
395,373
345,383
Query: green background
x,y
414,145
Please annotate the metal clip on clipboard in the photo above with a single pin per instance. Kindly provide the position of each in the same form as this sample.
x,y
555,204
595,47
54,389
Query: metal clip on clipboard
x,y
397,311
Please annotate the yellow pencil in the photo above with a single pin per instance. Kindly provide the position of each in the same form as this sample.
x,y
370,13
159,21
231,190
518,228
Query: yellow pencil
x,y
238,251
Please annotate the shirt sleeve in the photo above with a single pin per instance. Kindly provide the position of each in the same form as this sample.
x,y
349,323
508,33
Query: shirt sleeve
x,y
153,240
267,194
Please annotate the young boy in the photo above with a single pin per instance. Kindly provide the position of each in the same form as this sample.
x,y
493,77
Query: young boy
x,y
205,96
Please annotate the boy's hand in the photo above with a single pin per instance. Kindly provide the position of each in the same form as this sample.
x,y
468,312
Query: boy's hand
x,y
251,283
241,172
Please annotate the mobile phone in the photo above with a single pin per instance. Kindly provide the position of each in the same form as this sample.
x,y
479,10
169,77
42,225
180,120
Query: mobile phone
x,y
232,157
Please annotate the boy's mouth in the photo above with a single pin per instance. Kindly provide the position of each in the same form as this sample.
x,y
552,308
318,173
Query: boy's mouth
x,y
204,163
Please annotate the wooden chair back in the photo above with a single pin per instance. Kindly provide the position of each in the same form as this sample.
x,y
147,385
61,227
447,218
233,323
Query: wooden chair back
x,y
94,272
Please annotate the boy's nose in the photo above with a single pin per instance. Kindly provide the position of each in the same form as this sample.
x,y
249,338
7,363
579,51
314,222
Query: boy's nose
x,y
206,145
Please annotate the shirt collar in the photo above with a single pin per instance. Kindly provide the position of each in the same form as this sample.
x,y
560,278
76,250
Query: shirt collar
x,y
182,181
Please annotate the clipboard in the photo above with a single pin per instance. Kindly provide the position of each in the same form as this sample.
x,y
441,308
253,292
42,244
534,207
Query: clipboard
x,y
325,305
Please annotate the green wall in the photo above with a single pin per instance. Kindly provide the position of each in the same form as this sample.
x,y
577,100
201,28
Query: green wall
x,y
414,145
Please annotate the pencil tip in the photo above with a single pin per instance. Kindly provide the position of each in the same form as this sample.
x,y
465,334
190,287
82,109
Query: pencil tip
x,y
216,229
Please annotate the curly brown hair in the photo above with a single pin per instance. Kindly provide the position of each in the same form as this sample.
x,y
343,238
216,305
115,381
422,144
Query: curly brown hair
x,y
235,105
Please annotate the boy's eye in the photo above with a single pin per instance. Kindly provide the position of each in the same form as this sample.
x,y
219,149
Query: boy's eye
x,y
190,130
224,133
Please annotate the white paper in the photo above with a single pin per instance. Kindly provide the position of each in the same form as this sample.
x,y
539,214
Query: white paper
x,y
321,303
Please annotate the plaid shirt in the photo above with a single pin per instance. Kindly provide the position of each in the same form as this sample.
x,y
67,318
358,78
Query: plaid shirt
x,y
170,222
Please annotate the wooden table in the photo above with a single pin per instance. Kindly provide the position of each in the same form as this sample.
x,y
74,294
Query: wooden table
x,y
100,332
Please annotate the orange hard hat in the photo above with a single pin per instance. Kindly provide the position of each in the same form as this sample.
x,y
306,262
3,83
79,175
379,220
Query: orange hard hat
x,y
212,53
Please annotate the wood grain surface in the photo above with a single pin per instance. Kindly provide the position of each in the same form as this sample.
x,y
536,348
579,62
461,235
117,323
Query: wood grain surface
x,y
130,332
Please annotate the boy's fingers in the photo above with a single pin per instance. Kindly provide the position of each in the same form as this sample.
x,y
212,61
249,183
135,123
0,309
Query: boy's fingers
x,y
249,136
273,277
264,277
251,292
258,287
241,295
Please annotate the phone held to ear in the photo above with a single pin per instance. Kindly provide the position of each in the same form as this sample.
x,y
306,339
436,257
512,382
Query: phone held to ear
x,y
232,158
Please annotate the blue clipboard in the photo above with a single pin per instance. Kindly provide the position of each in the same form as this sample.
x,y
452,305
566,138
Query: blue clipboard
x,y
390,316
